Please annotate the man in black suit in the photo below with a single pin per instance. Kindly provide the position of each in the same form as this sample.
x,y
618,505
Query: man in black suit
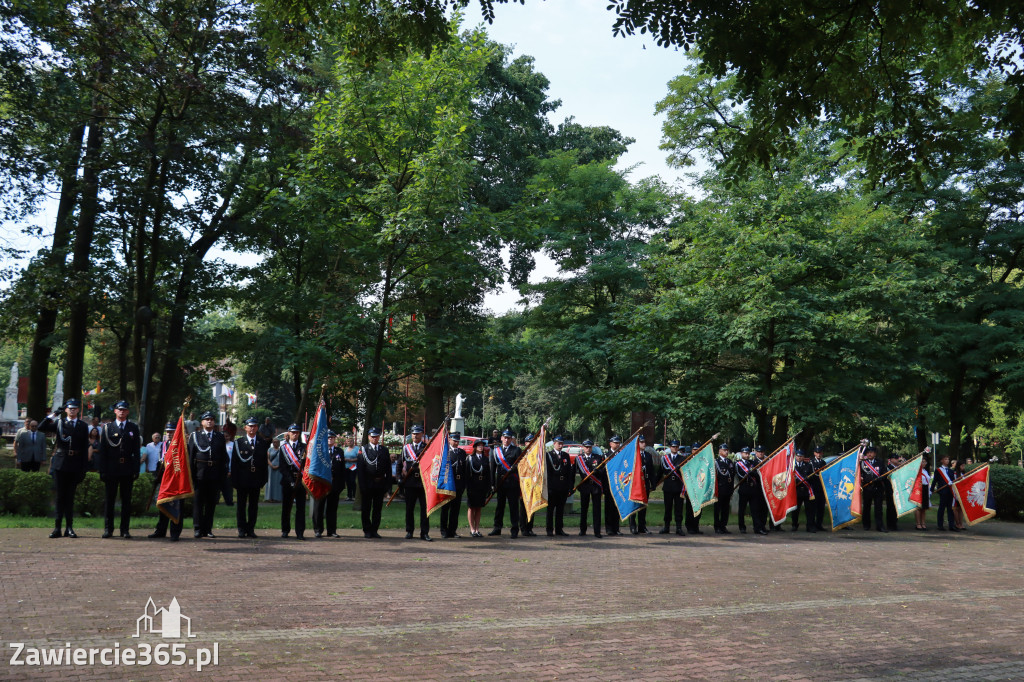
x,y
560,475
118,465
638,521
293,461
672,488
504,464
325,510
248,474
413,481
163,522
373,469
208,455
69,461
450,511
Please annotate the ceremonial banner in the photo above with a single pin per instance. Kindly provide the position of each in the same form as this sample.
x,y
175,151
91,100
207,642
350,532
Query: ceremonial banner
x,y
316,475
906,486
841,481
699,478
176,484
625,476
778,483
436,470
533,479
972,492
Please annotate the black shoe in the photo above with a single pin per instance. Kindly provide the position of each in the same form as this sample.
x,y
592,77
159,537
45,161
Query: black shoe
x,y
663,531
299,537
454,535
154,536
496,531
375,535
126,535
812,530
583,531
882,530
333,535
174,538
70,533
645,532
551,533
367,535
760,532
426,538
196,534
515,534
561,532
718,531
107,534
242,534
408,535
251,534
211,536
318,534
284,535
597,534
55,533
743,530
529,533
633,531
679,531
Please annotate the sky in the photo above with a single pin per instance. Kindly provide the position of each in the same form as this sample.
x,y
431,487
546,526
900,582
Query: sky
x,y
600,79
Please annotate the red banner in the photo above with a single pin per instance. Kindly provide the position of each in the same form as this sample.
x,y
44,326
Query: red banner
x,y
778,483
176,483
972,493
435,472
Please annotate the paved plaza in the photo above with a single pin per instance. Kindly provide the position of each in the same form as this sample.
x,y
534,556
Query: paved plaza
x,y
848,605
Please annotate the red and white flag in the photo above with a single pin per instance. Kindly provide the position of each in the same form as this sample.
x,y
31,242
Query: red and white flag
x,y
972,492
778,483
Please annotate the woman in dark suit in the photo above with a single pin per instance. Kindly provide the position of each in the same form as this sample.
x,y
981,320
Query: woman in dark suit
x,y
478,471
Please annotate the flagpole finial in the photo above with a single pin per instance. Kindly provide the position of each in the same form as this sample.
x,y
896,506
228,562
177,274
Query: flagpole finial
x,y
188,401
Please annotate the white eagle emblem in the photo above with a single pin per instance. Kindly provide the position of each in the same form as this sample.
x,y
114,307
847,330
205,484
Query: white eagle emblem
x,y
977,496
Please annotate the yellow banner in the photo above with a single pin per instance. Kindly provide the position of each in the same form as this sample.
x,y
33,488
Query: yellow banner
x,y
533,478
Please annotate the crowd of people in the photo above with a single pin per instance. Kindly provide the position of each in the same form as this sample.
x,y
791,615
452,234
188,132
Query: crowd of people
x,y
239,467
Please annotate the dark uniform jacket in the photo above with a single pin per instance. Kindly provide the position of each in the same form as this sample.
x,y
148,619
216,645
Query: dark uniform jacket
x,y
373,468
208,455
560,471
119,450
725,472
803,490
339,473
673,485
478,472
818,464
290,476
71,452
411,475
647,466
458,460
511,455
743,468
249,467
868,469
595,483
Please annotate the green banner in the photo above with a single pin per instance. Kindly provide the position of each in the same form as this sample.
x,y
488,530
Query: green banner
x,y
905,489
699,478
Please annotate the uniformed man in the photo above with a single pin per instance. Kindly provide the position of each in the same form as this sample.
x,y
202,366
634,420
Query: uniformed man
x,y
638,521
162,520
293,492
942,483
763,514
891,517
590,488
818,506
561,476
412,479
802,472
118,466
325,510
672,487
450,511
249,473
69,461
871,491
373,469
725,476
746,489
208,456
692,520
611,510
504,467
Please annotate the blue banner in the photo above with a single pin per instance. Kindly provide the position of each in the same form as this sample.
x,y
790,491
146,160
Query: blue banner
x,y
841,480
317,475
623,473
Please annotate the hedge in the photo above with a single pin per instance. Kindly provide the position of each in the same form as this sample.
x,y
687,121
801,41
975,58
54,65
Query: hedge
x,y
1008,487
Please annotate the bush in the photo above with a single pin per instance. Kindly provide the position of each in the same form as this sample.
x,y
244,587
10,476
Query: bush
x,y
7,479
142,490
1008,487
32,493
90,495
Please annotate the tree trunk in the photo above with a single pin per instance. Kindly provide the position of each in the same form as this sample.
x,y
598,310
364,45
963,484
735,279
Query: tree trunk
x,y
39,365
78,323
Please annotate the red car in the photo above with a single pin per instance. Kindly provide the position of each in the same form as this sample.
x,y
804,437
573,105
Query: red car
x,y
466,444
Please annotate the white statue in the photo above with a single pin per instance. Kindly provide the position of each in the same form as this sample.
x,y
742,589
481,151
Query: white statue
x,y
58,392
10,412
458,406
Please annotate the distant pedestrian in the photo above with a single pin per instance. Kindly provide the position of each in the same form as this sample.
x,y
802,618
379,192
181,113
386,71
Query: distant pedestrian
x,y
30,447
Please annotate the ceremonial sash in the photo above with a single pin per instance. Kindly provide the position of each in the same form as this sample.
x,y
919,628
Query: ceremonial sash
x,y
871,467
410,453
804,481
945,476
289,452
741,463
667,461
581,460
501,459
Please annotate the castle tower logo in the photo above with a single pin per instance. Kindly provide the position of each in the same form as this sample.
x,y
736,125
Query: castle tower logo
x,y
166,622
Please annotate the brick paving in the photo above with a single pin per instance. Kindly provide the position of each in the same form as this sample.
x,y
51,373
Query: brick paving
x,y
853,605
